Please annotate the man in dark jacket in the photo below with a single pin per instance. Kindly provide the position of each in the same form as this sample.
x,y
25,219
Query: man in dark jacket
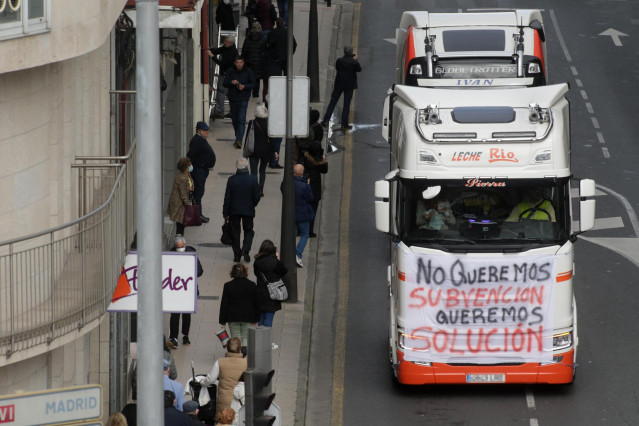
x,y
277,46
202,159
240,81
174,323
303,210
224,16
172,416
347,68
227,53
241,196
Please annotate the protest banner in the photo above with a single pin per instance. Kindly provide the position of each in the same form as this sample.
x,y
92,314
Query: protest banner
x,y
482,310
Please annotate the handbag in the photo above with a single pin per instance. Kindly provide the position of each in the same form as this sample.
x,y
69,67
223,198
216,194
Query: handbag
x,y
249,141
192,216
227,235
276,290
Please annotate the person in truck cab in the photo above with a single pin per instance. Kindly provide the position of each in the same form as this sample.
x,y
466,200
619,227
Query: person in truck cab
x,y
533,207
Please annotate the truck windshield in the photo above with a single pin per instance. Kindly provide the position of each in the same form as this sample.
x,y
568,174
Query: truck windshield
x,y
466,211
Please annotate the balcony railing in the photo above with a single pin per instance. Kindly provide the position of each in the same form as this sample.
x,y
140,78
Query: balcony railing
x,y
56,282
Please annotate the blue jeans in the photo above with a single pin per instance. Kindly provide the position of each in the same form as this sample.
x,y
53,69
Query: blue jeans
x,y
277,143
303,229
282,8
238,116
266,319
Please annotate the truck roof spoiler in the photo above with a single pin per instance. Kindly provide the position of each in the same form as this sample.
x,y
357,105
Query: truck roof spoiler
x,y
421,97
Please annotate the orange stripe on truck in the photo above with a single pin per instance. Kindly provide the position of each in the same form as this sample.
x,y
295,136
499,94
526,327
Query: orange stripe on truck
x,y
564,276
410,49
539,51
401,275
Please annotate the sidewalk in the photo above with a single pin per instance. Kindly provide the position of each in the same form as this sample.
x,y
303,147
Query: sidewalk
x,y
217,259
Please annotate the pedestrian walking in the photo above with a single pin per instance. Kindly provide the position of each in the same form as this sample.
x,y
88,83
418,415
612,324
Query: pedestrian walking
x,y
174,323
282,8
173,386
227,371
253,51
223,56
263,149
240,81
202,158
266,15
315,134
224,16
267,268
277,48
239,305
304,212
315,166
347,68
182,193
240,198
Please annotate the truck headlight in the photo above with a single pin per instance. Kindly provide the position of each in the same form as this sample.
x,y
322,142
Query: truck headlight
x,y
562,341
415,69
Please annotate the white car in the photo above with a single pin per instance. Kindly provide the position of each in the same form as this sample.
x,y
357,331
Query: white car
x,y
478,49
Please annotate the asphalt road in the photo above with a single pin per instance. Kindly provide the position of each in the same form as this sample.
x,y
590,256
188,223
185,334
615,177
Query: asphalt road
x,y
603,79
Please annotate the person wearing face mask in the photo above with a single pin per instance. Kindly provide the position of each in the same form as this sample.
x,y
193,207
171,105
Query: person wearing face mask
x,y
174,323
182,193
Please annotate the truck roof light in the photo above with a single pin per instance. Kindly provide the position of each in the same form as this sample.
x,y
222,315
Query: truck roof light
x,y
416,69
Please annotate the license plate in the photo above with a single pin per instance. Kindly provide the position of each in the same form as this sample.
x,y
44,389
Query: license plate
x,y
485,378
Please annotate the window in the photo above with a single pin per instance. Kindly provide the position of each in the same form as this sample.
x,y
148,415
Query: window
x,y
23,17
512,213
474,40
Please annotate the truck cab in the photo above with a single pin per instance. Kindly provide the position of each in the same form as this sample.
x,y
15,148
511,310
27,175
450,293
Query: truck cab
x,y
478,208
479,49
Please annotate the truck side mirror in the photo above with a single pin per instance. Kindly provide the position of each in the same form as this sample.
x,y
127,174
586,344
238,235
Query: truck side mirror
x,y
586,206
382,207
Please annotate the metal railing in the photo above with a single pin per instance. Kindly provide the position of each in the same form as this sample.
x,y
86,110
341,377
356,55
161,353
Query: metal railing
x,y
57,281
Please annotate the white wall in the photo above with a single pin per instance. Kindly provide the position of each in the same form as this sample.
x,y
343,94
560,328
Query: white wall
x,y
48,115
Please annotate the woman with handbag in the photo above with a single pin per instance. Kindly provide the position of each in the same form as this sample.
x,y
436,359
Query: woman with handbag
x,y
181,194
268,268
263,147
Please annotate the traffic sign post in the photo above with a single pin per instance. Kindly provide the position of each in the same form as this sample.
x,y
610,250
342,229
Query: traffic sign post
x,y
53,407
277,106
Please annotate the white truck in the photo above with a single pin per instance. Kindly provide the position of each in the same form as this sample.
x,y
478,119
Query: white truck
x,y
478,209
476,49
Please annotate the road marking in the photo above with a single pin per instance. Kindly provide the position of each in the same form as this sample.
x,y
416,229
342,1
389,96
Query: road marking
x,y
603,223
574,71
339,353
534,422
584,95
589,108
605,151
626,205
614,35
578,81
530,399
595,122
562,43
601,138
